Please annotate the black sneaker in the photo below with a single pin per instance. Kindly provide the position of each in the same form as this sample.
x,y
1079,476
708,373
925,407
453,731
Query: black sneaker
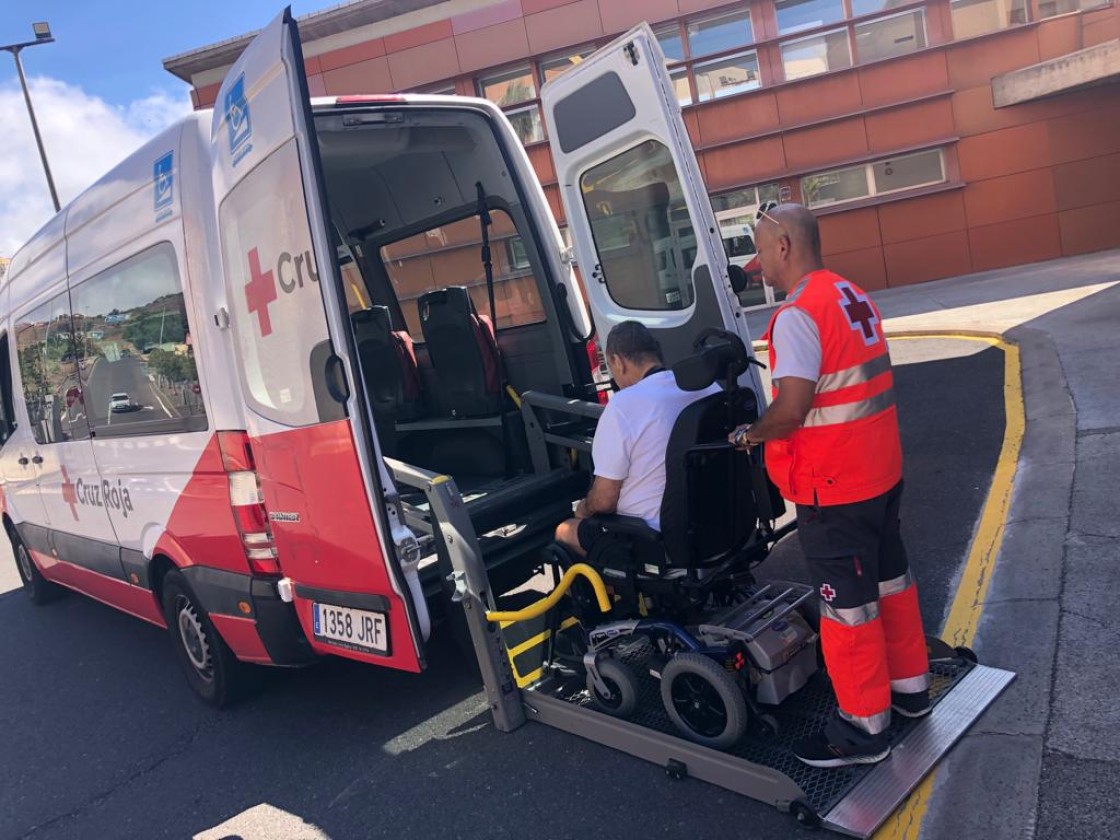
x,y
841,744
913,705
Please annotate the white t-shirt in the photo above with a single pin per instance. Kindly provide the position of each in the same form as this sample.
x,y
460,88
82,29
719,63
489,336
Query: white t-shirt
x,y
631,437
797,344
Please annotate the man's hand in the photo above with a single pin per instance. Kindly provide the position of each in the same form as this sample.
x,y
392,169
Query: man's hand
x,y
601,498
740,438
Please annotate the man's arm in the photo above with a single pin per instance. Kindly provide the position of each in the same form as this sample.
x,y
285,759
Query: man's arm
x,y
784,416
601,498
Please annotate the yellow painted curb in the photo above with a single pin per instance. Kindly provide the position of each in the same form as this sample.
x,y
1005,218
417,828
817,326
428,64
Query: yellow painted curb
x,y
968,603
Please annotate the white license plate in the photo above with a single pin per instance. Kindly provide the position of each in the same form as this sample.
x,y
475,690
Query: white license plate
x,y
349,628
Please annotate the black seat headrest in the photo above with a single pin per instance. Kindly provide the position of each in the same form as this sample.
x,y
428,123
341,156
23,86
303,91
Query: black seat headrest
x,y
375,316
456,298
720,356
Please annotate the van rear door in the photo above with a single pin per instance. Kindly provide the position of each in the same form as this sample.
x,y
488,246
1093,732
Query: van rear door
x,y
321,477
641,222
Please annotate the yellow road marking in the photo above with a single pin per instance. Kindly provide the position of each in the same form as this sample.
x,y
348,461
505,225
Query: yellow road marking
x,y
968,603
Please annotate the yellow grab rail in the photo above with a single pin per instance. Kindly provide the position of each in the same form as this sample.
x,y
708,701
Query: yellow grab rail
x,y
545,604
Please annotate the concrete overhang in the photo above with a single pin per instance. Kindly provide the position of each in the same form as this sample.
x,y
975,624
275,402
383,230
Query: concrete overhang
x,y
336,20
1076,71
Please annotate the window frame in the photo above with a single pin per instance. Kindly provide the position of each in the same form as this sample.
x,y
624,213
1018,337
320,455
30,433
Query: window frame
x,y
846,28
859,61
869,179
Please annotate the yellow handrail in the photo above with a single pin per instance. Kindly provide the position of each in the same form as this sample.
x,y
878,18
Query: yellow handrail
x,y
545,604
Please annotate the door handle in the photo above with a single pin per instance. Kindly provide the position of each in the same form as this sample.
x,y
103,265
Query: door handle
x,y
23,462
37,459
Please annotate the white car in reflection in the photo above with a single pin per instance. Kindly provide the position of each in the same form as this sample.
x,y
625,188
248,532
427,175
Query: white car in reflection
x,y
120,402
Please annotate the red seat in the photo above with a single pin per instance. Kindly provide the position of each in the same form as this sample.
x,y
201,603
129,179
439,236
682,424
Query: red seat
x,y
464,353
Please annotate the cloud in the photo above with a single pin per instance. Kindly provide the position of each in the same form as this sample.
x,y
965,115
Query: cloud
x,y
84,137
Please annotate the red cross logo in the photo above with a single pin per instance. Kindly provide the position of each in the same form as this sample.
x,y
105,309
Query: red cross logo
x,y
861,316
68,494
260,291
827,592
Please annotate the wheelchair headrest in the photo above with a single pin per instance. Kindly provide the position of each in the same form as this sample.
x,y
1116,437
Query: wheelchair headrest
x,y
720,356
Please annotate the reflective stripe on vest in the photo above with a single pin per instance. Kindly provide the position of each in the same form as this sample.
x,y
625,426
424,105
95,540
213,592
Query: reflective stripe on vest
x,y
849,412
855,375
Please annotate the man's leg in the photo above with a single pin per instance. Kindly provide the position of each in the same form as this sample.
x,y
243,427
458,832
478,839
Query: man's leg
x,y
576,535
907,659
842,553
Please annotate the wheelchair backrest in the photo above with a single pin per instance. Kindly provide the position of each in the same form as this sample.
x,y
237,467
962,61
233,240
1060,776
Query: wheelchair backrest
x,y
708,510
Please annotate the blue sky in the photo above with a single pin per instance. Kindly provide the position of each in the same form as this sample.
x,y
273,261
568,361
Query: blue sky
x,y
114,49
100,90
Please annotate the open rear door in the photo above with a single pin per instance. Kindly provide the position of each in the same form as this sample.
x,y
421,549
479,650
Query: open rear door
x,y
641,222
323,482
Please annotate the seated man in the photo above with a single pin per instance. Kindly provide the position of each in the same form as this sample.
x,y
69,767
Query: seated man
x,y
630,440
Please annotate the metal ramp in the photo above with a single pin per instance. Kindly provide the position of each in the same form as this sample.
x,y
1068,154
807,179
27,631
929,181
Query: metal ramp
x,y
854,801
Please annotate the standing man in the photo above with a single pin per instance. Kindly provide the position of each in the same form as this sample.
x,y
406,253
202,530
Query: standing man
x,y
833,448
630,438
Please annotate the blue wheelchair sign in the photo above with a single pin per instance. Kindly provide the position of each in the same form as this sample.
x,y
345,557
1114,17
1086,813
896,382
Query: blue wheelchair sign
x,y
237,119
163,181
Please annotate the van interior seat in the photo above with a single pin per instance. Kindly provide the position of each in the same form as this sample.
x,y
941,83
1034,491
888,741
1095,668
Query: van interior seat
x,y
464,353
388,362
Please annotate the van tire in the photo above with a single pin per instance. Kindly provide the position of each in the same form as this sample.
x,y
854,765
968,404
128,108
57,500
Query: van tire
x,y
214,673
38,589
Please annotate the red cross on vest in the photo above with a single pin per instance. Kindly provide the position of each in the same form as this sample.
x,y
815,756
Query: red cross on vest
x,y
260,291
861,316
68,493
827,592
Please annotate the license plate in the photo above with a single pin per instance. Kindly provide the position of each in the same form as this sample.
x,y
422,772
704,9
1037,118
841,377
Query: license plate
x,y
361,630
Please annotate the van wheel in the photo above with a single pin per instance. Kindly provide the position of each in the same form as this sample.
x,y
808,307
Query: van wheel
x,y
38,589
212,670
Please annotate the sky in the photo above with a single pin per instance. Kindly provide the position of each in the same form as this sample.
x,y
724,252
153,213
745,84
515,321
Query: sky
x,y
100,90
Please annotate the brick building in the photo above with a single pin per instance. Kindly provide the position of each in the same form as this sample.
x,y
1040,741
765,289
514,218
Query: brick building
x,y
933,138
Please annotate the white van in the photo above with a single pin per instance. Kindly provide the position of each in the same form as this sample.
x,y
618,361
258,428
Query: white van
x,y
229,367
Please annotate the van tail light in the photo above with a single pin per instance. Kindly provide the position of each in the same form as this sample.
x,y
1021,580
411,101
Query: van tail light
x,y
600,373
248,506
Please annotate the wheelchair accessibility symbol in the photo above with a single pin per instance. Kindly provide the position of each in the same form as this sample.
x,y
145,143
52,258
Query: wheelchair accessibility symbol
x,y
237,120
163,185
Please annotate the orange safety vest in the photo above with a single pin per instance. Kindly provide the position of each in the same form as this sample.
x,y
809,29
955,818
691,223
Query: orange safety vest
x,y
848,449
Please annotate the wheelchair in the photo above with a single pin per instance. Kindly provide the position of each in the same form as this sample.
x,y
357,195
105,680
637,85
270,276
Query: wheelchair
x,y
686,606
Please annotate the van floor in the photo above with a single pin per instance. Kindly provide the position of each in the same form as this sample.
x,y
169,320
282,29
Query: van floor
x,y
514,519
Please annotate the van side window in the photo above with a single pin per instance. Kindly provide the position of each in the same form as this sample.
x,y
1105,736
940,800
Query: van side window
x,y
7,413
451,255
136,357
48,365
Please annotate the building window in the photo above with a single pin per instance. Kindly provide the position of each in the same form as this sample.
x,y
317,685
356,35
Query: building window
x,y
888,175
727,76
735,212
509,88
889,36
816,54
1050,8
799,15
514,87
516,256
978,17
526,124
719,34
553,67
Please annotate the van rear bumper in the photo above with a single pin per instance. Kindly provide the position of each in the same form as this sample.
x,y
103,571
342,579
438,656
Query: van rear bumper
x,y
221,592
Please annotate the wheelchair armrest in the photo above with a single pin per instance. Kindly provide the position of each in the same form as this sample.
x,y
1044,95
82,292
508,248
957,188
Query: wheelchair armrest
x,y
628,526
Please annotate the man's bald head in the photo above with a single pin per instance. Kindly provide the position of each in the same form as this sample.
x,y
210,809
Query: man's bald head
x,y
789,245
800,225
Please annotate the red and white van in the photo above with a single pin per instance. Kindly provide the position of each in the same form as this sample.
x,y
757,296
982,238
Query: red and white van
x,y
215,362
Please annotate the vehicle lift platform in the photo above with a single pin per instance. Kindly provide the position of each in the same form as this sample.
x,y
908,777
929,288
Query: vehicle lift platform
x,y
853,801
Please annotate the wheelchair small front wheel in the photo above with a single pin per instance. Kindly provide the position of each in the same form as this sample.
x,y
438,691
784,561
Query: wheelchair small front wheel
x,y
703,700
622,685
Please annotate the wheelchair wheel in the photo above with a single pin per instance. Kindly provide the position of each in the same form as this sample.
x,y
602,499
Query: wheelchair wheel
x,y
703,700
623,687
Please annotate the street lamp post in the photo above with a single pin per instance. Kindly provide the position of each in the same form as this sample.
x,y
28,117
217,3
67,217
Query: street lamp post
x,y
42,36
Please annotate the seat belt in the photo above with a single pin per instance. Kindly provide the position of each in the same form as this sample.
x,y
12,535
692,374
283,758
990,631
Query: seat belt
x,y
488,267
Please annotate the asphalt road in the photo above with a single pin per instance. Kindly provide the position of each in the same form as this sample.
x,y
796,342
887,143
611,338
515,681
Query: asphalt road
x,y
128,375
102,738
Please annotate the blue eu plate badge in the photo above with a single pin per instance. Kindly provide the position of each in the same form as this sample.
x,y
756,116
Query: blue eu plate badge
x,y
237,120
163,185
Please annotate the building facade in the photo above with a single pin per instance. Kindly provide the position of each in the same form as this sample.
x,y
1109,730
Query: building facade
x,y
932,138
